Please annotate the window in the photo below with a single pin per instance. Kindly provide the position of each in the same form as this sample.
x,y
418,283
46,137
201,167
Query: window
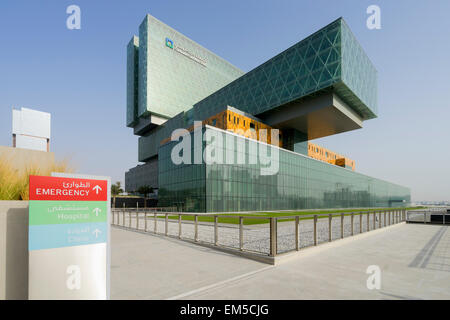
x,y
214,122
252,125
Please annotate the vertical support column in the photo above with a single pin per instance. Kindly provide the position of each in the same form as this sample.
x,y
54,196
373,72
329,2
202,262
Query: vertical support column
x,y
389,218
179,226
216,230
385,218
113,216
241,233
166,229
297,221
351,219
342,226
379,219
155,226
315,230
273,237
330,217
196,228
425,217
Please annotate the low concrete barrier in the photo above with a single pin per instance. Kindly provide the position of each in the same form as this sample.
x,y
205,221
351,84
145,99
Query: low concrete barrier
x,y
13,250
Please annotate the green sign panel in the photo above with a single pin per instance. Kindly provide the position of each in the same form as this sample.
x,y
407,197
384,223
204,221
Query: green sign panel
x,y
67,212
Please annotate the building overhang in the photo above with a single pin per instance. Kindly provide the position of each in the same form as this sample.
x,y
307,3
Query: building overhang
x,y
146,124
319,116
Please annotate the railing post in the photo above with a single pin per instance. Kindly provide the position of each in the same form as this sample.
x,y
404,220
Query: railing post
x,y
137,213
379,219
216,230
179,226
351,219
330,217
315,230
145,221
241,233
137,219
368,220
297,221
360,222
374,220
389,218
273,236
112,216
196,228
129,219
155,225
123,215
425,217
385,218
166,230
342,226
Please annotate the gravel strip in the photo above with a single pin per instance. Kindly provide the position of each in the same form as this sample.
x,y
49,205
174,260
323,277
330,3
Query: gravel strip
x,y
257,237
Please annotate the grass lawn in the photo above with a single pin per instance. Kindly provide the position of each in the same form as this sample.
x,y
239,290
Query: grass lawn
x,y
265,215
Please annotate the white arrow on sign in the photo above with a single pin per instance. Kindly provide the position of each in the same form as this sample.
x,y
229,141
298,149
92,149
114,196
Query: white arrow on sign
x,y
97,189
96,232
96,211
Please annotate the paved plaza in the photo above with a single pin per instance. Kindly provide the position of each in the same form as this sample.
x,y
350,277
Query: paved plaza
x,y
414,260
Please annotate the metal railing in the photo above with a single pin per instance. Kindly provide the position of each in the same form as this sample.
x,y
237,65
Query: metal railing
x,y
438,215
269,236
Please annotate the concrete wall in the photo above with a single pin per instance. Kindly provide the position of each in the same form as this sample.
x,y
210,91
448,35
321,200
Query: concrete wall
x,y
13,250
19,158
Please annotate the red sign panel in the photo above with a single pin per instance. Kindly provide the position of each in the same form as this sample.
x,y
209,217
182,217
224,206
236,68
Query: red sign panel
x,y
70,189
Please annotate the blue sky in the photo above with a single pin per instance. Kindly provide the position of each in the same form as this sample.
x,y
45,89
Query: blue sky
x,y
79,75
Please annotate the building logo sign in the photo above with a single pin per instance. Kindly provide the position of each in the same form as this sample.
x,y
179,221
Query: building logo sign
x,y
170,44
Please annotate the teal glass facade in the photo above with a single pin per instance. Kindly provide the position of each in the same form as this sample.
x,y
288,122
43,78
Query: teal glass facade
x,y
329,60
176,72
132,80
300,183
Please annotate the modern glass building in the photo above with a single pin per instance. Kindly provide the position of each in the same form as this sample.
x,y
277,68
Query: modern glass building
x,y
322,85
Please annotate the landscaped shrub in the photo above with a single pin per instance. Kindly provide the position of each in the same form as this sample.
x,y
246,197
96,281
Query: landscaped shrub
x,y
14,182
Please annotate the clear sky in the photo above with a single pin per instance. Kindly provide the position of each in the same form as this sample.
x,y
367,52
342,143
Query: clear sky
x,y
79,76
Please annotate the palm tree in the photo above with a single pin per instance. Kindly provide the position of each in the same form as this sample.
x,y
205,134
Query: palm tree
x,y
145,190
115,191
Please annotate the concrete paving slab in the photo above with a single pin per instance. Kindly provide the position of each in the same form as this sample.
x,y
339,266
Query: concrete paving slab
x,y
145,266
414,261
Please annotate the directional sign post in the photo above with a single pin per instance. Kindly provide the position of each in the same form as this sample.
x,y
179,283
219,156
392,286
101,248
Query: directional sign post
x,y
68,239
